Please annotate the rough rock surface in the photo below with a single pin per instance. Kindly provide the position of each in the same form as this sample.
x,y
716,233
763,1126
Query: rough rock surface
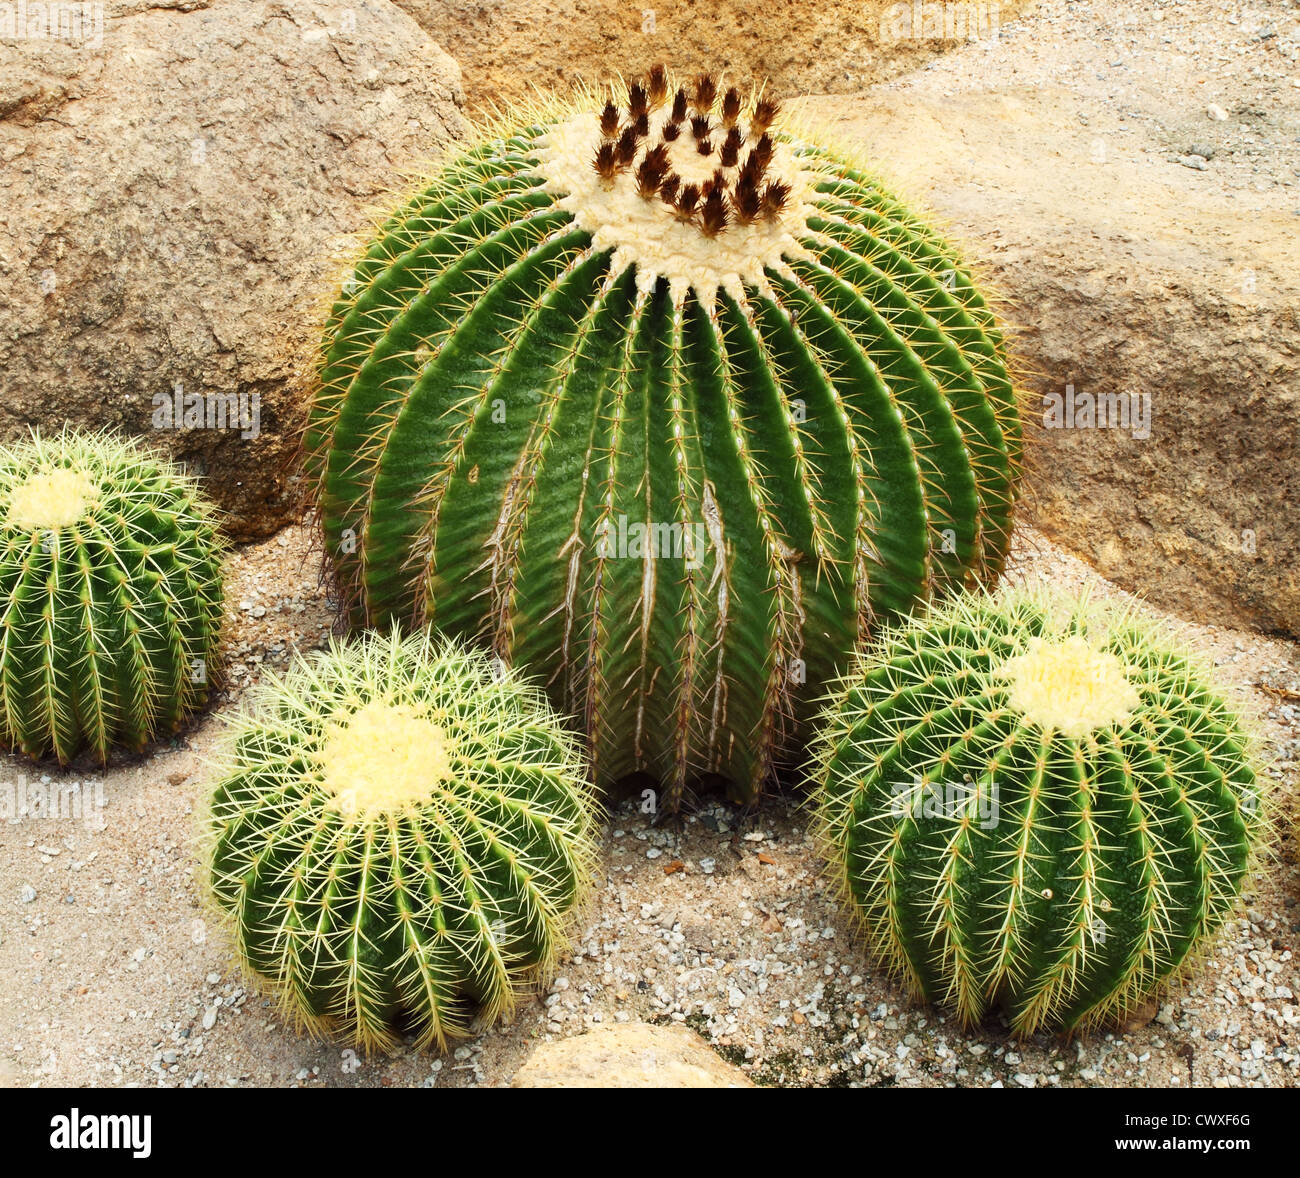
x,y
508,46
1063,157
629,1055
177,195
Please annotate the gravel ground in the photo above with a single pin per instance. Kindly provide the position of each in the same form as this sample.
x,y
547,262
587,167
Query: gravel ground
x,y
1212,84
721,921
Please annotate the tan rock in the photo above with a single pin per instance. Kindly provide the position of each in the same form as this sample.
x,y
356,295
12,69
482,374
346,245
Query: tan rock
x,y
177,196
833,46
1126,274
629,1055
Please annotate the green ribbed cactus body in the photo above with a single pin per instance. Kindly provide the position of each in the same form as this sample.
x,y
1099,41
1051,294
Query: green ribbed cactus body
x,y
1035,806
110,596
399,833
679,475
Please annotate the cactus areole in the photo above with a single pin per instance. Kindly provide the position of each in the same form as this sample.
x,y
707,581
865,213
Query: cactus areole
x,y
669,405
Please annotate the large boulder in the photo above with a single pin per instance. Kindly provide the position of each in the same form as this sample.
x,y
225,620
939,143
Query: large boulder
x,y
179,191
1137,278
629,1055
509,46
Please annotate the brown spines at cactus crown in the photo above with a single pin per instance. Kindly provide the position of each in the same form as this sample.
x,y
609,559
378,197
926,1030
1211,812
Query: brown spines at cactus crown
x,y
638,101
706,90
636,140
687,200
627,146
765,112
658,86
609,120
731,103
606,162
651,171
748,200
713,217
775,197
730,151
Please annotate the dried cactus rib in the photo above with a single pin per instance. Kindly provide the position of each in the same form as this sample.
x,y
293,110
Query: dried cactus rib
x,y
549,366
399,833
1034,806
110,596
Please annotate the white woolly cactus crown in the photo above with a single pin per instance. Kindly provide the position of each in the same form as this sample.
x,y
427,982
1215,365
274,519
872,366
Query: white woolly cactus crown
x,y
683,186
51,499
1069,686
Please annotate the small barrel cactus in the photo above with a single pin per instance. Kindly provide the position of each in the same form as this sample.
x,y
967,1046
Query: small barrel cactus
x,y
398,832
669,405
1035,805
110,595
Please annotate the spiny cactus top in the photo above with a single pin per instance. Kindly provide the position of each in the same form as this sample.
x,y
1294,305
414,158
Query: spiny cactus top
x,y
110,595
669,405
1036,805
399,831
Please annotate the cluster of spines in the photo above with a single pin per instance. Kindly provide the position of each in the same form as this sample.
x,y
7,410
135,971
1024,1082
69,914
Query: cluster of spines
x,y
110,624
747,196
428,918
1112,855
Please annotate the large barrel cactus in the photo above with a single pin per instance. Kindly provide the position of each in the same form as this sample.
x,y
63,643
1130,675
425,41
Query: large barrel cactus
x,y
669,405
1035,805
400,831
110,596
